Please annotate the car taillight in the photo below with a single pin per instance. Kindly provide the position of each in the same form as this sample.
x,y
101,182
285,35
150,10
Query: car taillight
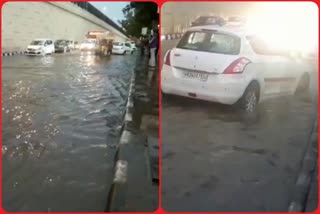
x,y
167,61
237,66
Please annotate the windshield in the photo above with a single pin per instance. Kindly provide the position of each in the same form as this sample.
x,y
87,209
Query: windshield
x,y
61,42
89,41
117,43
37,42
210,41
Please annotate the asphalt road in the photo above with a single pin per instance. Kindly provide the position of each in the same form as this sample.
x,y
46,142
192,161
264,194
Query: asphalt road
x,y
214,159
60,117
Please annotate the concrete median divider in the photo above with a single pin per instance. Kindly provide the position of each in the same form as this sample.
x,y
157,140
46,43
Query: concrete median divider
x,y
117,194
132,189
12,53
302,185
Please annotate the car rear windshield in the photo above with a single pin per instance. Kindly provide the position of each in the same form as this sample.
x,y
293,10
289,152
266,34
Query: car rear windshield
x,y
210,41
117,43
37,42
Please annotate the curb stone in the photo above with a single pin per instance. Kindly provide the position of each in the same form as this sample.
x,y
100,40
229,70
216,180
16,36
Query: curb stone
x,y
12,53
302,186
131,174
117,193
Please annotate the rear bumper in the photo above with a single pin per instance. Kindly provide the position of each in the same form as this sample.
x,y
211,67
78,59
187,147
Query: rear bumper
x,y
221,88
32,53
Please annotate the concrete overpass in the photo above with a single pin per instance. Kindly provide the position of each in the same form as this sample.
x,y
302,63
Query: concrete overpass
x,y
24,21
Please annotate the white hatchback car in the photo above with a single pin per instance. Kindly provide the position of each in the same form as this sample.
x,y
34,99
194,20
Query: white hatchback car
x,y
226,65
40,47
121,48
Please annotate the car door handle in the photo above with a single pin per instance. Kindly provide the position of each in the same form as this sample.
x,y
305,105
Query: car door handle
x,y
177,54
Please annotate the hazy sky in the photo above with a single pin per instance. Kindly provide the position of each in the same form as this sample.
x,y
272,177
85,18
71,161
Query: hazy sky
x,y
111,9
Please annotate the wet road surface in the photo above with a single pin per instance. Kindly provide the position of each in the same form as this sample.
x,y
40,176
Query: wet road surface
x,y
214,159
60,127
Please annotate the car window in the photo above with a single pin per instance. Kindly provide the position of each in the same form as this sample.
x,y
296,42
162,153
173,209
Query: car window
x,y
210,41
261,47
117,43
128,45
36,42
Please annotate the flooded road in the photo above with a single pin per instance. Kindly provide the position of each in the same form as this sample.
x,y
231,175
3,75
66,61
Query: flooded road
x,y
60,117
216,160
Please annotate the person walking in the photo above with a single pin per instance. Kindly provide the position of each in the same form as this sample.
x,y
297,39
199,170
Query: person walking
x,y
153,46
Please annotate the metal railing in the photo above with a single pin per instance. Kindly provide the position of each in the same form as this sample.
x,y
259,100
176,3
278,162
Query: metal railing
x,y
97,13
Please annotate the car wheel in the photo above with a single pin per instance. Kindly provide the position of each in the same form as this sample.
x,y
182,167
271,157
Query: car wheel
x,y
131,52
124,53
303,90
249,101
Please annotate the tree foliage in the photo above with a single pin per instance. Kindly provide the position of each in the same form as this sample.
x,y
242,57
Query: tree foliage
x,y
139,15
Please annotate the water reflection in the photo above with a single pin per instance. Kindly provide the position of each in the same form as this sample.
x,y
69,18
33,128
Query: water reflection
x,y
60,119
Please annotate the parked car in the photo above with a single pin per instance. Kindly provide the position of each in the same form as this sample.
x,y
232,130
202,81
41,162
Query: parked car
x,y
236,20
88,45
61,46
40,47
208,20
133,45
229,66
130,47
76,45
121,48
71,44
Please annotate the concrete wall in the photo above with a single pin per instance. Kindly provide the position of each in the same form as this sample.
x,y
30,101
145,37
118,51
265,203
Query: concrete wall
x,y
24,21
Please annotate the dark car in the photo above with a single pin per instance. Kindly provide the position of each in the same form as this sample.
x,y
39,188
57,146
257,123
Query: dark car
x,y
208,20
61,46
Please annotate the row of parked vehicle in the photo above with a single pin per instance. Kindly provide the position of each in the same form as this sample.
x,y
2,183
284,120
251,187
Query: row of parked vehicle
x,y
49,46
104,47
107,47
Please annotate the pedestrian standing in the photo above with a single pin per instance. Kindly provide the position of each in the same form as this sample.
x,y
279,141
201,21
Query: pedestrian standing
x,y
141,45
153,46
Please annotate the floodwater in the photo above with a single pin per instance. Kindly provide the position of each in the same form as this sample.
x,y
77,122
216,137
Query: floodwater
x,y
61,116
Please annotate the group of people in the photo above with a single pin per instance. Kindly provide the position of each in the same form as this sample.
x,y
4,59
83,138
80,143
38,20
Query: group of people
x,y
151,46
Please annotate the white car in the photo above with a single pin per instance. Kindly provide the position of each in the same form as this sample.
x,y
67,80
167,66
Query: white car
x,y
121,48
40,47
133,45
88,45
71,44
129,47
226,65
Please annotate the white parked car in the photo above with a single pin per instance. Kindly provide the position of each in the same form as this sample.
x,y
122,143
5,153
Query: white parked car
x,y
40,47
121,48
88,45
229,66
71,44
133,45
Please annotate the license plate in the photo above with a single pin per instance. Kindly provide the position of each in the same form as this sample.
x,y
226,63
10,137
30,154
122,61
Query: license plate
x,y
196,75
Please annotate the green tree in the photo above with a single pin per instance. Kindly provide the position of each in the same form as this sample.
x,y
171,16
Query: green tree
x,y
139,15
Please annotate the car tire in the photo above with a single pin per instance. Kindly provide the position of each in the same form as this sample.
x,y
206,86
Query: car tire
x,y
303,88
250,98
124,53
